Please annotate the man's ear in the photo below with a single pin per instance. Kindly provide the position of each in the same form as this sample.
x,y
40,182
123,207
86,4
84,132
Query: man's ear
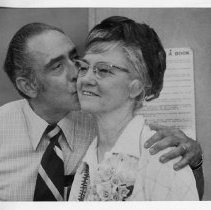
x,y
27,87
135,88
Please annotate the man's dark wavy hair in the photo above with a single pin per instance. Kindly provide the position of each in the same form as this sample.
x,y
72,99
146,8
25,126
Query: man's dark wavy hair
x,y
118,28
18,62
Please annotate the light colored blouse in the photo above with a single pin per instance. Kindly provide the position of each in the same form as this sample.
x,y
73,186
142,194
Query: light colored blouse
x,y
126,173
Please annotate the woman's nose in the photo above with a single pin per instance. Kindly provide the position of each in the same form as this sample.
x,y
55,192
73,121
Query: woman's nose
x,y
89,78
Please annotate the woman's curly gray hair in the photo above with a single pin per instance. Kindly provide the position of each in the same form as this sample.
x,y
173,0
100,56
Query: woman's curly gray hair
x,y
142,47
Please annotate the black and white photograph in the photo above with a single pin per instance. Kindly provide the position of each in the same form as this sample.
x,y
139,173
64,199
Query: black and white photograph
x,y
105,104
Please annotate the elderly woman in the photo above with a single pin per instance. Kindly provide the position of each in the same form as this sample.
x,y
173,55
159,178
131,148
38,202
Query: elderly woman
x,y
124,65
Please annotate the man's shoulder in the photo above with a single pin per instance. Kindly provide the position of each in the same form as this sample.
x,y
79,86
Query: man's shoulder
x,y
84,125
11,110
82,119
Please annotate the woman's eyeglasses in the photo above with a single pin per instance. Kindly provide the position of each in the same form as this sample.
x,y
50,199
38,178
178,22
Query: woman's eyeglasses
x,y
101,69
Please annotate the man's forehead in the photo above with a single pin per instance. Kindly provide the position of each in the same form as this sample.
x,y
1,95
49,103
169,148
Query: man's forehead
x,y
49,42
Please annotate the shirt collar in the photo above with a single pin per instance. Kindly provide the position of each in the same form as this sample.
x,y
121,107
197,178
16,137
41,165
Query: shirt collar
x,y
67,126
128,142
36,126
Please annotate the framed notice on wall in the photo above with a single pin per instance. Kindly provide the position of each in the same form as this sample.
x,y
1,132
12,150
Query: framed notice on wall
x,y
176,103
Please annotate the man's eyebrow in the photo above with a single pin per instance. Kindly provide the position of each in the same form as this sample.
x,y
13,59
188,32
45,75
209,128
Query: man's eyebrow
x,y
54,60
71,53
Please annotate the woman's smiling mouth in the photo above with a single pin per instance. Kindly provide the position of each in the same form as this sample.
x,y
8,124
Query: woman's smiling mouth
x,y
88,93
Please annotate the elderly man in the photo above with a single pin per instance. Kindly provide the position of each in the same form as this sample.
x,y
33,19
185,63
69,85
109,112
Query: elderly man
x,y
44,136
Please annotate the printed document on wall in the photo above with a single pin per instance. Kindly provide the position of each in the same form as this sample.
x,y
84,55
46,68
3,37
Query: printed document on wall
x,y
176,103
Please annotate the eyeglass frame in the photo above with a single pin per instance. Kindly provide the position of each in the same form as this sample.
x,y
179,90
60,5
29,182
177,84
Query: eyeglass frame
x,y
96,70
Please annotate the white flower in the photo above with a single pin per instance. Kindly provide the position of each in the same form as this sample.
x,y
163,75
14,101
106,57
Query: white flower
x,y
114,179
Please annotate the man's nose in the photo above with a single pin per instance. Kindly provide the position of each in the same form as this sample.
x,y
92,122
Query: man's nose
x,y
73,72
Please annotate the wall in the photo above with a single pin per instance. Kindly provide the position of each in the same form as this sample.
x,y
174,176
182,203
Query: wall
x,y
182,27
73,21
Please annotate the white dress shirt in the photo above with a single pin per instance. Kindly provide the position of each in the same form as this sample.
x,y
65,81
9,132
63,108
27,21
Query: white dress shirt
x,y
154,180
22,145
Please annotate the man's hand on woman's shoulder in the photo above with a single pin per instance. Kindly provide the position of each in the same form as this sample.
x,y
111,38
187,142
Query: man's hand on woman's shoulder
x,y
165,136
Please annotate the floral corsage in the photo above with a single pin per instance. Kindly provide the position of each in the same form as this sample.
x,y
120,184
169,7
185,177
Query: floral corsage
x,y
113,180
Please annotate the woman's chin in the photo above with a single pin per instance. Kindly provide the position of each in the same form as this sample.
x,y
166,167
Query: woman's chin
x,y
91,109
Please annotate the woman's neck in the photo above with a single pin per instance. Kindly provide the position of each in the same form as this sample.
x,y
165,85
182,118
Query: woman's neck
x,y
110,127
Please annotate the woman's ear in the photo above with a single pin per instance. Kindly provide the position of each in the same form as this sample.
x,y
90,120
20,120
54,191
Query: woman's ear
x,y
135,88
27,87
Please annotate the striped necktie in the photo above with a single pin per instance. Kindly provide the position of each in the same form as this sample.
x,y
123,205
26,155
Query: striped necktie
x,y
50,179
